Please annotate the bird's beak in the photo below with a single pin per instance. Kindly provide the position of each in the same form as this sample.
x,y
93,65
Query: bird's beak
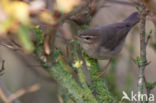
x,y
77,37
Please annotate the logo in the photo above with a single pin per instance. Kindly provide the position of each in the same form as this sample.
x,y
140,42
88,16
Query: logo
x,y
137,97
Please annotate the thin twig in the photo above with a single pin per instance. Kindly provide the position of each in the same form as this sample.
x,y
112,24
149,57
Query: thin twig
x,y
3,96
141,75
122,2
10,47
4,93
12,98
21,92
2,68
148,37
147,41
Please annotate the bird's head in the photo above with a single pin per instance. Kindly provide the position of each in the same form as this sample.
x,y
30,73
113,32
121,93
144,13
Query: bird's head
x,y
88,39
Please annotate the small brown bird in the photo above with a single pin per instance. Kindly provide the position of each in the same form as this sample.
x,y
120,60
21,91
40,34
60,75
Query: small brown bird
x,y
107,41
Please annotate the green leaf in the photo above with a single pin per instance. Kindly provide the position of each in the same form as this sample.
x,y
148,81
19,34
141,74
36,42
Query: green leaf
x,y
139,9
39,34
149,34
85,27
150,86
24,38
142,31
139,61
5,25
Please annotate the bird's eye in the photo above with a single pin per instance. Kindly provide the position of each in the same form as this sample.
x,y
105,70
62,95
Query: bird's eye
x,y
87,38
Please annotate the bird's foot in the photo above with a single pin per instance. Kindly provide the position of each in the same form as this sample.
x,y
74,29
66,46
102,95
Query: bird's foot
x,y
105,69
100,75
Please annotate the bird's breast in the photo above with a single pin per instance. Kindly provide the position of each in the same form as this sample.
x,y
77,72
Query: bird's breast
x,y
100,52
104,53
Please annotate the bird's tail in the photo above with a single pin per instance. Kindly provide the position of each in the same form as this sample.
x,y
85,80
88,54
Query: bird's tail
x,y
133,19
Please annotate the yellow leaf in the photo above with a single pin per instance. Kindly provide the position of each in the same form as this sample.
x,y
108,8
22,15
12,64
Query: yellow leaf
x,y
4,3
5,25
66,5
46,17
78,63
19,11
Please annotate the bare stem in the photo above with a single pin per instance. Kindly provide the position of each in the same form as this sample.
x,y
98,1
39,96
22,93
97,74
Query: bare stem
x,y
142,52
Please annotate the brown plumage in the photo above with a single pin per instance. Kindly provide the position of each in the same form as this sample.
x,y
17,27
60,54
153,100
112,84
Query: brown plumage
x,y
107,41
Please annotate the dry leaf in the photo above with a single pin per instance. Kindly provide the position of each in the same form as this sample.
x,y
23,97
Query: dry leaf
x,y
66,5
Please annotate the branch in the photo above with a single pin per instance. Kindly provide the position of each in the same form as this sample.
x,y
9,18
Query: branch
x,y
99,87
143,59
60,72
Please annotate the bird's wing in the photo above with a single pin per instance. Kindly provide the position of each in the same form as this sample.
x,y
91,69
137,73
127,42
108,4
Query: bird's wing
x,y
113,34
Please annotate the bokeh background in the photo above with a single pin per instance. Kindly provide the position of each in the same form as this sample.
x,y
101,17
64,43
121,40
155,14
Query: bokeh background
x,y
22,73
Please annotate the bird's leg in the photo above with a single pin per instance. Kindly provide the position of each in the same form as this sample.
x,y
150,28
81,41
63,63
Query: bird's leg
x,y
105,69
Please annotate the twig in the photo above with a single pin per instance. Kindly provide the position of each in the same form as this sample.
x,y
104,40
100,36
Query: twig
x,y
3,96
148,37
141,75
147,41
11,47
21,92
122,2
4,93
2,68
12,98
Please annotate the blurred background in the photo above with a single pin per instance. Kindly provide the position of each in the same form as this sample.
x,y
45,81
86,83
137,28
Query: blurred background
x,y
23,71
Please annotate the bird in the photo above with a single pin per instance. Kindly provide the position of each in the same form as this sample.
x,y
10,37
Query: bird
x,y
106,42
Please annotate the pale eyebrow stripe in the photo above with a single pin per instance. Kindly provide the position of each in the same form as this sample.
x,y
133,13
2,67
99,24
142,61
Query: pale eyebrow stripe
x,y
92,36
